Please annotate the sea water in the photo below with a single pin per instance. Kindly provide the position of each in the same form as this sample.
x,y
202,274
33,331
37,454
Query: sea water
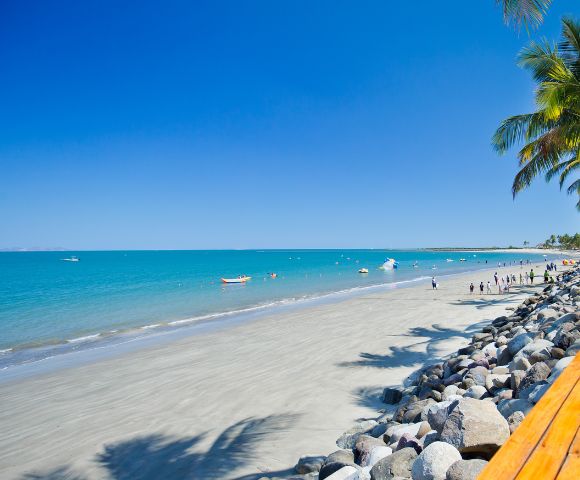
x,y
47,303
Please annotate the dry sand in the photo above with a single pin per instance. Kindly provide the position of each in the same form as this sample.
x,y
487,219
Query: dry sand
x,y
237,402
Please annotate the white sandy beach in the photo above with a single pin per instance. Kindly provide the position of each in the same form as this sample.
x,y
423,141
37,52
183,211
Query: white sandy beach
x,y
242,401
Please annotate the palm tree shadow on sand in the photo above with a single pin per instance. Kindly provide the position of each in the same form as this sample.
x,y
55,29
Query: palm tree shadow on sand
x,y
159,456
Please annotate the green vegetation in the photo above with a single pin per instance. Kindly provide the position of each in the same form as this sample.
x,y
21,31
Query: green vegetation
x,y
529,13
565,241
551,134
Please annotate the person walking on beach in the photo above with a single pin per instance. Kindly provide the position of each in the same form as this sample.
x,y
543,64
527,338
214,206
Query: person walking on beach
x,y
471,287
433,283
532,276
546,276
495,277
527,278
481,288
521,279
488,287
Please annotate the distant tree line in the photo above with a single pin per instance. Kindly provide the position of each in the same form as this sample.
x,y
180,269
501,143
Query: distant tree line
x,y
564,241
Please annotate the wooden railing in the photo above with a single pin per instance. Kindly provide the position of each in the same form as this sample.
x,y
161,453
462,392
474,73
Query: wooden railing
x,y
546,446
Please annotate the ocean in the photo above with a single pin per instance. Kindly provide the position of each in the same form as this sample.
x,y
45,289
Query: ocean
x,y
48,305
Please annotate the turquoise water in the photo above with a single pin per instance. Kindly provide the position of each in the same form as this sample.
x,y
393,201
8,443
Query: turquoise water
x,y
47,301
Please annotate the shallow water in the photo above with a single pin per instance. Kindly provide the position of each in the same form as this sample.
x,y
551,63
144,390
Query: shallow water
x,y
46,301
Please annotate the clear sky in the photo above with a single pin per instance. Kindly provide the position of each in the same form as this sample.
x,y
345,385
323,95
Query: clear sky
x,y
261,124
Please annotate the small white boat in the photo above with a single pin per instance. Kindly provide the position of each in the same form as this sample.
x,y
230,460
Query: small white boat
x,y
449,260
240,279
71,259
462,260
363,270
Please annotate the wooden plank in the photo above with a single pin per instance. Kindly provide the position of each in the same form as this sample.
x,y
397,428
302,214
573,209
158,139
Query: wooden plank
x,y
548,457
571,468
509,460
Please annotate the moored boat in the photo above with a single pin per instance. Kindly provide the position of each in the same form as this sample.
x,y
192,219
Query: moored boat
x,y
240,279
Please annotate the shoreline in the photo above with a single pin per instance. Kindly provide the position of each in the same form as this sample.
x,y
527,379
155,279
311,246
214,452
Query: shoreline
x,y
275,388
126,340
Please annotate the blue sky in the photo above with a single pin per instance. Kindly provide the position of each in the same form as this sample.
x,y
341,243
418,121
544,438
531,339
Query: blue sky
x,y
299,124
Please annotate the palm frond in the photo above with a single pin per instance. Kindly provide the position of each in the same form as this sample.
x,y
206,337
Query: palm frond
x,y
528,13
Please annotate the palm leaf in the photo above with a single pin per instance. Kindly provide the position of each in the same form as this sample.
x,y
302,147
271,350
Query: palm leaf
x,y
528,13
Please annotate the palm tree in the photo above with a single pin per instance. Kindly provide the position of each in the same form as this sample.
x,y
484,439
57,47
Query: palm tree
x,y
528,13
551,135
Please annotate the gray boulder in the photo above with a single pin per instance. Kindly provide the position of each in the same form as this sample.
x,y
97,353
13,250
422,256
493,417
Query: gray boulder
x,y
465,469
507,407
348,438
515,419
396,465
538,372
363,447
377,453
538,392
475,426
437,414
411,412
434,461
477,391
309,463
519,342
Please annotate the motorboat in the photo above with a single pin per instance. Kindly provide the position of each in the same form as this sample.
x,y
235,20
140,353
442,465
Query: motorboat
x,y
240,279
70,259
363,270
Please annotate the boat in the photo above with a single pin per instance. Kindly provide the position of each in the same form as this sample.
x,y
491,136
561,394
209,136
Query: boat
x,y
449,260
240,279
71,259
389,264
462,260
363,270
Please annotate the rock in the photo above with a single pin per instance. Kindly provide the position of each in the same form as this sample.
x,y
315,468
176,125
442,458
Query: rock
x,y
515,419
450,390
557,353
408,441
538,392
377,453
559,368
363,447
429,438
309,463
348,438
477,391
519,363
516,379
411,412
503,355
423,429
500,371
547,313
379,430
478,374
505,393
434,461
341,456
519,342
507,407
538,372
535,346
396,465
437,414
475,426
329,469
392,396
345,473
394,433
466,469
573,349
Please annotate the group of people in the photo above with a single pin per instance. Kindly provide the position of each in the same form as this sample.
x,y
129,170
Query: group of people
x,y
503,284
